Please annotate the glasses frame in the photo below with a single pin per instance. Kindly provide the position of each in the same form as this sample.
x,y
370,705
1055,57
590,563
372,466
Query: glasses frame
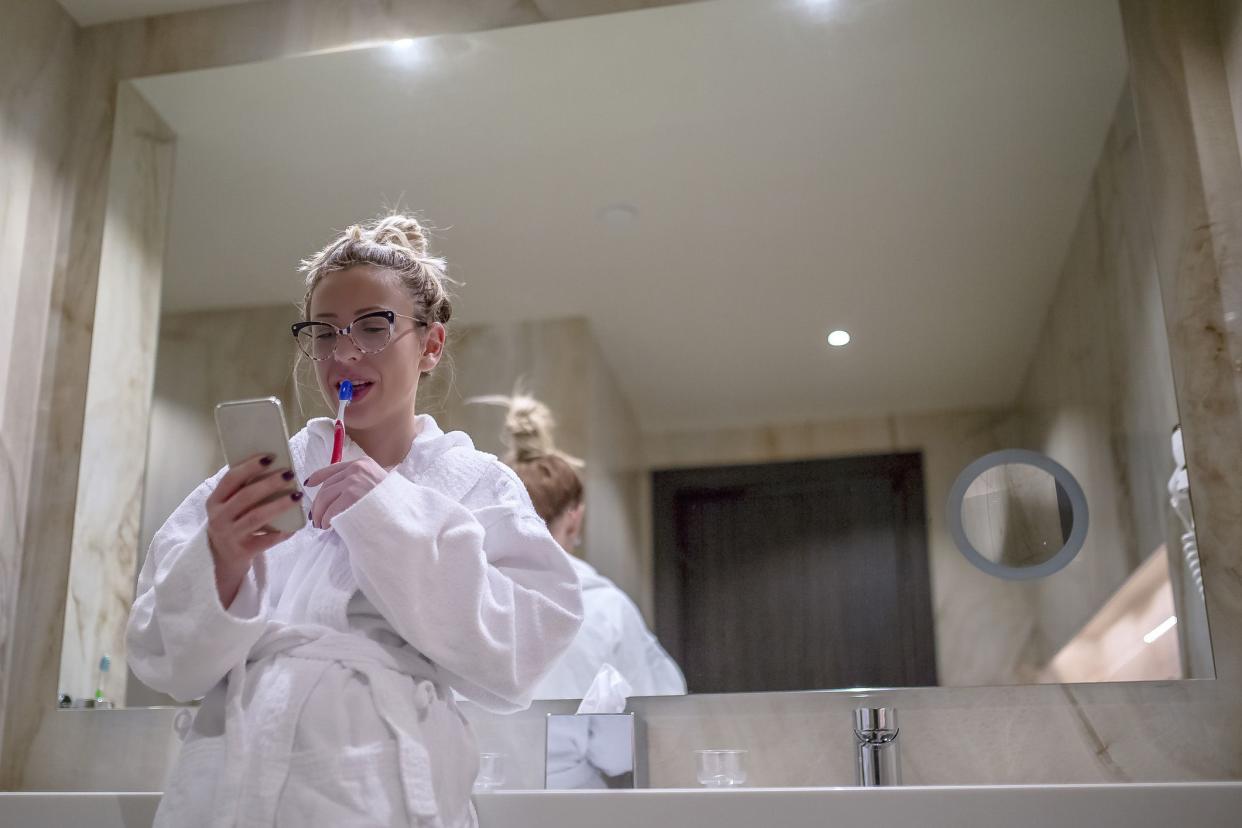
x,y
391,316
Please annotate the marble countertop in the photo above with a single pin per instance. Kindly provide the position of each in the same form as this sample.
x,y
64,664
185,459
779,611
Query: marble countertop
x,y
1151,805
1158,805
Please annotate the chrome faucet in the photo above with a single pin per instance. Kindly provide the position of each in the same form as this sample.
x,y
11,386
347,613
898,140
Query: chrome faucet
x,y
879,757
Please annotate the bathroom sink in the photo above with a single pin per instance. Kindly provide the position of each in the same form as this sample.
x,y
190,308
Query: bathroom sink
x,y
95,810
1197,804
1203,805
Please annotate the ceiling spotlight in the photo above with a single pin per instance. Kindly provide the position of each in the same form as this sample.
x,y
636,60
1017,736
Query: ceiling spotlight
x,y
618,216
838,339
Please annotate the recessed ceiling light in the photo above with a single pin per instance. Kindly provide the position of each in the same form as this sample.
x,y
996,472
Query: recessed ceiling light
x,y
618,216
410,52
839,339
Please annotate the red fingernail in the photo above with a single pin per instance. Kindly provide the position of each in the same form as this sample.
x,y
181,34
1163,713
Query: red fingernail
x,y
287,475
295,496
267,460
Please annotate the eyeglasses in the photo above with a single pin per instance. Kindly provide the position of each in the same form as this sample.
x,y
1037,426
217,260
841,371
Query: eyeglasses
x,y
370,334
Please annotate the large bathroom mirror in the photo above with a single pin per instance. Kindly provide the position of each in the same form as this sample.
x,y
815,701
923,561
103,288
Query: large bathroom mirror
x,y
782,269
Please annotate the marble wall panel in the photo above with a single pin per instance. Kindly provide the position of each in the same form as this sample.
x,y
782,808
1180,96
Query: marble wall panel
x,y
204,358
37,43
121,370
1229,38
614,540
1194,190
1098,395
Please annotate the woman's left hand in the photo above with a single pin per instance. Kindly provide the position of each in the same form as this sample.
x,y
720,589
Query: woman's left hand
x,y
341,485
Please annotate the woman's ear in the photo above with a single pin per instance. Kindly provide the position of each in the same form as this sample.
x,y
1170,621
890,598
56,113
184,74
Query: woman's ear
x,y
433,348
575,521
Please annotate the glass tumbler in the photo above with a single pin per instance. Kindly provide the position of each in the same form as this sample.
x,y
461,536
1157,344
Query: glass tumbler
x,y
721,768
491,772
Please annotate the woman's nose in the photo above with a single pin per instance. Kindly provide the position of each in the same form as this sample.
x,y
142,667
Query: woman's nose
x,y
346,350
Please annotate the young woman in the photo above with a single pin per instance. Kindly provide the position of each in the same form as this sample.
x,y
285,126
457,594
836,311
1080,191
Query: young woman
x,y
613,631
325,658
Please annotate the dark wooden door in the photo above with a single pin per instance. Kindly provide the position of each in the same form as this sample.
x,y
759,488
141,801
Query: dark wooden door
x,y
795,576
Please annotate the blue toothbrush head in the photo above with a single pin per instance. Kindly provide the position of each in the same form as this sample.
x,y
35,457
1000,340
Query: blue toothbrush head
x,y
347,391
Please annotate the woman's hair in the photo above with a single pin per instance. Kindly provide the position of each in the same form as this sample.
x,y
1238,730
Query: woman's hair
x,y
549,474
396,243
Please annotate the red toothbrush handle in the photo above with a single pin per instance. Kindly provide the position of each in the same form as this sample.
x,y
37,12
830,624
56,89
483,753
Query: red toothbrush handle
x,y
338,441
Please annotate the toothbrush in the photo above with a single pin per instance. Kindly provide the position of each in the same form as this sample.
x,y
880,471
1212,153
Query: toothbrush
x,y
105,664
338,430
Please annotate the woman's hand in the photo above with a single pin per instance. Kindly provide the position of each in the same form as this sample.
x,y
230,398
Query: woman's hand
x,y
238,519
341,486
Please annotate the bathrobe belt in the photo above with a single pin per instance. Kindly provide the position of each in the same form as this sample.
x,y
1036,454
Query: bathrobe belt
x,y
257,764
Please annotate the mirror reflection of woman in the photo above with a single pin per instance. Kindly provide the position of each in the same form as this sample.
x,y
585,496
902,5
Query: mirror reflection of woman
x,y
327,659
613,630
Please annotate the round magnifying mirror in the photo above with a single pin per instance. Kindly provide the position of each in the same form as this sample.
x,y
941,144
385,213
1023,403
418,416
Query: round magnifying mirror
x,y
1017,514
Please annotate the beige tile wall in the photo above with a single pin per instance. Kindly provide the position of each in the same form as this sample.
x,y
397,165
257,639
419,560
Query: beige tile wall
x,y
38,43
1098,395
121,369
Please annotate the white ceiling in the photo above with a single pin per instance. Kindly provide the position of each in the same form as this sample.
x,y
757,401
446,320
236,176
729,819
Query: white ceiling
x,y
908,170
91,12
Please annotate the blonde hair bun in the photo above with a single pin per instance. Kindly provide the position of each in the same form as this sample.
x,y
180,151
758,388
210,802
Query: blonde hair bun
x,y
397,243
528,429
398,231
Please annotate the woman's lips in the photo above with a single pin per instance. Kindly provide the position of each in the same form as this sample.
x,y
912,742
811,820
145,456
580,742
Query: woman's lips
x,y
361,389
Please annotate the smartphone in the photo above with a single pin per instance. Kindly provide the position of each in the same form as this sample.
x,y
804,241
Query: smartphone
x,y
250,427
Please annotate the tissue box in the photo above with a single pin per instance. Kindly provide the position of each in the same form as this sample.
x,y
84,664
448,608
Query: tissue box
x,y
591,751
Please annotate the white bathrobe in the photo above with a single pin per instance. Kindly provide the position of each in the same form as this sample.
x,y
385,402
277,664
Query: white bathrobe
x,y
613,632
327,684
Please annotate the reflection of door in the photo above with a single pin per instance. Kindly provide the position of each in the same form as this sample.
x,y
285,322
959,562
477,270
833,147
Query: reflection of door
x,y
793,576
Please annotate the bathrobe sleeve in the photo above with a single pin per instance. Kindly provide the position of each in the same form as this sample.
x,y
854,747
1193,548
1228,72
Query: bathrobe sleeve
x,y
180,639
639,657
485,593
